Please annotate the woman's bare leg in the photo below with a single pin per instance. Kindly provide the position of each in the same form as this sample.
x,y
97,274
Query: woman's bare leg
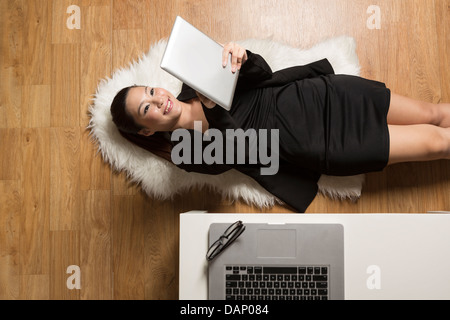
x,y
421,142
407,111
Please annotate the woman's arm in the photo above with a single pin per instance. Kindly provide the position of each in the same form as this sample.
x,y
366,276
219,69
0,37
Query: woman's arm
x,y
256,73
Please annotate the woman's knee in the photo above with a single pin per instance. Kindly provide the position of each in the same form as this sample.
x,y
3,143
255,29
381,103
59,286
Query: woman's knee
x,y
430,112
434,113
439,144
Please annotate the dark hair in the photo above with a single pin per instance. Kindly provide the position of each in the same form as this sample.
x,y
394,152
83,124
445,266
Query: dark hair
x,y
120,116
158,143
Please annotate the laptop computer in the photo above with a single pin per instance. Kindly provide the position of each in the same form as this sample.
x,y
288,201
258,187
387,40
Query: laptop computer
x,y
196,59
279,262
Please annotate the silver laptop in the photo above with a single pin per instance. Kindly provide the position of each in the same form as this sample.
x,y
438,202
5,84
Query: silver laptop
x,y
279,262
195,59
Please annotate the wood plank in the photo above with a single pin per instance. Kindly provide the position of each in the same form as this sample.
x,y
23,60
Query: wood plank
x,y
153,31
96,52
10,210
443,37
402,184
11,157
12,37
36,106
374,193
96,37
35,217
127,46
65,93
122,185
90,3
128,245
11,67
128,14
161,252
96,245
64,178
64,252
66,21
35,287
423,52
10,99
37,51
96,174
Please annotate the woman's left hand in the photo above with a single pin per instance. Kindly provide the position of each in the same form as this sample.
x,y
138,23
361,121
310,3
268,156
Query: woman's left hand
x,y
238,56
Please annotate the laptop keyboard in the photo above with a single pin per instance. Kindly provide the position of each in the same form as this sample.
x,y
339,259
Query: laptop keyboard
x,y
276,283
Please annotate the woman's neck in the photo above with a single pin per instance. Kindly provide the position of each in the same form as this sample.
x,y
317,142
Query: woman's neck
x,y
193,111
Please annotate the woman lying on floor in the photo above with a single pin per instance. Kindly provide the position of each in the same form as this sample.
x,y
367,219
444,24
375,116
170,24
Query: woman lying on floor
x,y
327,124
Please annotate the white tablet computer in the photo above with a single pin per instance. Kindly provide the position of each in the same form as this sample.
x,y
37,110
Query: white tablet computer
x,y
196,59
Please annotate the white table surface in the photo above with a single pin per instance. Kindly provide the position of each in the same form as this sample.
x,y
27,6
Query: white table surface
x,y
411,242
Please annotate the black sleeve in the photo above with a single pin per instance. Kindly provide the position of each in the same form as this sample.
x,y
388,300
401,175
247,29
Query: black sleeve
x,y
312,70
256,73
254,70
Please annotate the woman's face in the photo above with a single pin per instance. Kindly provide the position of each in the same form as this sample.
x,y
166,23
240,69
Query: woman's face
x,y
155,109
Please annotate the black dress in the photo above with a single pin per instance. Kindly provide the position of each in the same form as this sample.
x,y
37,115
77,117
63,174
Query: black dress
x,y
328,124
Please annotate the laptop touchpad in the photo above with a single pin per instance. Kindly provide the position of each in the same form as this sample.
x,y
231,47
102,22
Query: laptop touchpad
x,y
273,243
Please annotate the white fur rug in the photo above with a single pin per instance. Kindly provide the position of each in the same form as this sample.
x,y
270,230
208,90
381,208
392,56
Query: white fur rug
x,y
162,180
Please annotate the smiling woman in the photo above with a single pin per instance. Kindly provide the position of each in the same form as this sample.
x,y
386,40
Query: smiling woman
x,y
145,111
154,109
328,123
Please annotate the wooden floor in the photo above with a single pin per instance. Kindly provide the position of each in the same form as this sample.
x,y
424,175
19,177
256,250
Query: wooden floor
x,y
60,205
